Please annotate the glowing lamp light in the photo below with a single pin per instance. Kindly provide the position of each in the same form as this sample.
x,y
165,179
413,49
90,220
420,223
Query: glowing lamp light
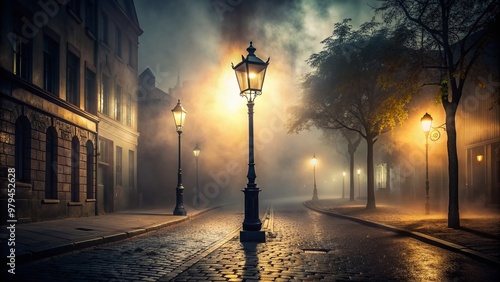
x,y
314,161
343,173
250,73
179,116
196,151
359,171
426,123
479,158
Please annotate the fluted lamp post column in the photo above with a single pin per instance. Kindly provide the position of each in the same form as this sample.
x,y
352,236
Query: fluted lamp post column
x,y
179,117
426,126
314,161
196,152
250,73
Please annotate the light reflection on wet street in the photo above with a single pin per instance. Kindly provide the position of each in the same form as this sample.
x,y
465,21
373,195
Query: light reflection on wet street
x,y
303,245
307,245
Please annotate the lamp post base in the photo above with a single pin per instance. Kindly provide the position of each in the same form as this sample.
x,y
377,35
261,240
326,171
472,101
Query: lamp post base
x,y
315,195
252,236
180,211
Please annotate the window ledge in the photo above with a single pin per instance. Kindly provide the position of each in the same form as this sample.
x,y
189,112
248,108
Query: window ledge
x,y
50,201
75,204
90,200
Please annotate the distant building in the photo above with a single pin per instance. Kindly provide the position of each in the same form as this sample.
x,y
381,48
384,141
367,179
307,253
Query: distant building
x,y
157,154
478,133
118,135
68,123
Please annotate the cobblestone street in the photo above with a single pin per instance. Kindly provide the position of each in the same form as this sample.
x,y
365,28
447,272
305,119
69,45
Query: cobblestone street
x,y
309,246
146,258
301,245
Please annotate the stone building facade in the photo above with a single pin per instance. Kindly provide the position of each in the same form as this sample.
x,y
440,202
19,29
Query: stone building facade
x,y
51,60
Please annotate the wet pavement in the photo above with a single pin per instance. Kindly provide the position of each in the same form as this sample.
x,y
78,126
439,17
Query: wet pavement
x,y
301,245
308,246
478,235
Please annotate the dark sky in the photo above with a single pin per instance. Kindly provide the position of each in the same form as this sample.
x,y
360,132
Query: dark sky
x,y
186,35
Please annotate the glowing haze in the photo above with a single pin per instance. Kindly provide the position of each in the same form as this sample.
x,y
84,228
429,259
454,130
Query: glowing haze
x,y
198,40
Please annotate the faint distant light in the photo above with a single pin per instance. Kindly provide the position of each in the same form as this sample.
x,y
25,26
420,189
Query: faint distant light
x,y
314,160
479,158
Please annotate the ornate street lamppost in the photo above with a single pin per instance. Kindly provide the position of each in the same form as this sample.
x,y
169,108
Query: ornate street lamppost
x,y
179,117
314,161
343,184
196,152
426,126
250,73
432,133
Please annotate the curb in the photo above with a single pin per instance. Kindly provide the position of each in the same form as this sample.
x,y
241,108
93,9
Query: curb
x,y
416,235
59,249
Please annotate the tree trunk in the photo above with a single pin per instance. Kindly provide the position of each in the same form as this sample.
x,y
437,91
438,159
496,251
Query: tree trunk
x,y
370,201
351,175
352,146
451,132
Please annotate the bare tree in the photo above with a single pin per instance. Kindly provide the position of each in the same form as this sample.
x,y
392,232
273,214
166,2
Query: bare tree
x,y
458,30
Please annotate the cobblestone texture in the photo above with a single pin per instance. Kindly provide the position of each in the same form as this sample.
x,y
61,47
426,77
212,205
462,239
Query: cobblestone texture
x,y
302,245
143,258
480,227
306,246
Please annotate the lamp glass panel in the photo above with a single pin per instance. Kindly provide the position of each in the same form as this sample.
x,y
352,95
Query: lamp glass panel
x,y
179,116
241,76
256,76
426,125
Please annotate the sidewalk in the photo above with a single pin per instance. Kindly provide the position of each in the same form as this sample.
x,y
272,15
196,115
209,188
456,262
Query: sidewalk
x,y
44,239
478,236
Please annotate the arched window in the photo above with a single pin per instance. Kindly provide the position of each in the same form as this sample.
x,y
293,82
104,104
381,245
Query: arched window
x,y
75,169
23,149
51,163
90,170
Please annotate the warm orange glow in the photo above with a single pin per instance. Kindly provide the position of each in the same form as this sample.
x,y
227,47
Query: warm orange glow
x,y
196,151
179,116
359,171
426,122
343,173
479,158
251,75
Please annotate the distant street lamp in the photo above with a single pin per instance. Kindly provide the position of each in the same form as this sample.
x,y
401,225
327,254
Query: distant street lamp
x,y
179,118
314,161
359,184
479,158
426,126
196,152
250,73
343,184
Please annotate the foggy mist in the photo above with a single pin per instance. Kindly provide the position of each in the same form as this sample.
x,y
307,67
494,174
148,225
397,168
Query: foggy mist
x,y
198,40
